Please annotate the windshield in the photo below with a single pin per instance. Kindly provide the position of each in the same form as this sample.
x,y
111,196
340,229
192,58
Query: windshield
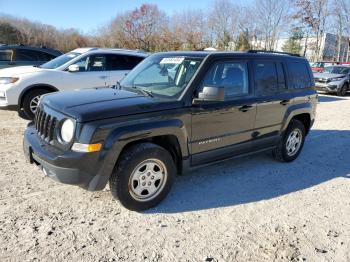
x,y
162,75
317,64
337,69
61,60
322,64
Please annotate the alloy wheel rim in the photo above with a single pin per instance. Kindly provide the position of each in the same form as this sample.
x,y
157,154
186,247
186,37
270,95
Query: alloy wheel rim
x,y
147,180
33,105
294,142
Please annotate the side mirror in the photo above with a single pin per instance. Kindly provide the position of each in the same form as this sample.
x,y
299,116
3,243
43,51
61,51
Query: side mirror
x,y
73,68
210,94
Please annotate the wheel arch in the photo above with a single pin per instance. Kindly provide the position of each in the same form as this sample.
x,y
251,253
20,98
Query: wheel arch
x,y
169,142
30,88
169,134
304,118
301,112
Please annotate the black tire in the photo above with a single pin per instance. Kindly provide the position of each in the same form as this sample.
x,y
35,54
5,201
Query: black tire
x,y
281,153
27,100
132,158
343,90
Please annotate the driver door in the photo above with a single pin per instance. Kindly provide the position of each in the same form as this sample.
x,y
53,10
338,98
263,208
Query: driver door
x,y
91,74
223,129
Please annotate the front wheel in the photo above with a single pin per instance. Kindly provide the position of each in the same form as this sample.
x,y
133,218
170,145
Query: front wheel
x,y
143,176
291,143
343,90
31,102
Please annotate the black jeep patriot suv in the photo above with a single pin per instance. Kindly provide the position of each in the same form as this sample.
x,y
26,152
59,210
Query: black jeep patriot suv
x,y
174,112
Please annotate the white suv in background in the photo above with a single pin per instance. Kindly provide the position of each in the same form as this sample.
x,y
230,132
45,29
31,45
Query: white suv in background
x,y
21,87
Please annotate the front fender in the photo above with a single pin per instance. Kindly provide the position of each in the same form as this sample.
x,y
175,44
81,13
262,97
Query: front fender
x,y
119,137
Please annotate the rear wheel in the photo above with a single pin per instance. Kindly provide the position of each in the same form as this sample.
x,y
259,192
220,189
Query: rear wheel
x,y
143,176
291,143
31,101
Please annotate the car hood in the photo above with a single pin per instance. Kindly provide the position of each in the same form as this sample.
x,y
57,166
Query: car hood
x,y
19,70
95,104
327,75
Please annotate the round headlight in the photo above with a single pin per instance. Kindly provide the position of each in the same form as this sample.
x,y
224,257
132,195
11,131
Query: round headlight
x,y
67,130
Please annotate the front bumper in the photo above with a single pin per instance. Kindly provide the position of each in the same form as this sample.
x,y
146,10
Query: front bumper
x,y
9,96
328,87
80,169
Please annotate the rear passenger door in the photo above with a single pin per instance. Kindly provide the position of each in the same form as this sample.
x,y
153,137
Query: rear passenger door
x,y
273,99
117,66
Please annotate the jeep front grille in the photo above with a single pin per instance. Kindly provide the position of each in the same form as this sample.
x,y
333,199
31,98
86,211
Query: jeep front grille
x,y
45,124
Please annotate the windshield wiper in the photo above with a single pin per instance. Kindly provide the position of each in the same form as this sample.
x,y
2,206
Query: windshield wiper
x,y
143,91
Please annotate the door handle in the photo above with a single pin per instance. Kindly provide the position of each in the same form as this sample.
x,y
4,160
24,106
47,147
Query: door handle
x,y
285,102
245,108
103,77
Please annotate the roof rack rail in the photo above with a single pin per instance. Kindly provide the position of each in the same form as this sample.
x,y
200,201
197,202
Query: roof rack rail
x,y
272,52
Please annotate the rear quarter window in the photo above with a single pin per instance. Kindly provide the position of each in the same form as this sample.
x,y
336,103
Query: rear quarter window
x,y
6,55
299,75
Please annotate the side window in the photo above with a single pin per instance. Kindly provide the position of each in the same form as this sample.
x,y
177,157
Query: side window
x,y
233,76
299,75
6,55
265,75
132,61
121,62
92,63
280,76
27,55
45,57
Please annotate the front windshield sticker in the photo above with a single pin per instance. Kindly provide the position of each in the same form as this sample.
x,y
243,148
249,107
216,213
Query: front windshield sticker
x,y
172,60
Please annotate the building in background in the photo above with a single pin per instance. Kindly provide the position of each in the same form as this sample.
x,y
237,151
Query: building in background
x,y
328,47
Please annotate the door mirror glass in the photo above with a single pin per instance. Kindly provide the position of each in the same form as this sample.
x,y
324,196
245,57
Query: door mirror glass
x,y
73,68
211,94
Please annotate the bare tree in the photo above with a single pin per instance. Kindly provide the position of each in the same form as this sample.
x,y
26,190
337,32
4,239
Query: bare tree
x,y
342,14
220,22
272,16
189,29
339,17
143,26
38,34
313,14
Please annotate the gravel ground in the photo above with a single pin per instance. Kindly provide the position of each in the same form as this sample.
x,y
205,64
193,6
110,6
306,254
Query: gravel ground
x,y
249,209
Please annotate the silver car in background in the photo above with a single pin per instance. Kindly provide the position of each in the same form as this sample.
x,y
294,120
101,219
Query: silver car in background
x,y
334,79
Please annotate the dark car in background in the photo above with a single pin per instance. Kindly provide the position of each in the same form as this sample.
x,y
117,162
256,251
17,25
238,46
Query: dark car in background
x,y
318,67
21,55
